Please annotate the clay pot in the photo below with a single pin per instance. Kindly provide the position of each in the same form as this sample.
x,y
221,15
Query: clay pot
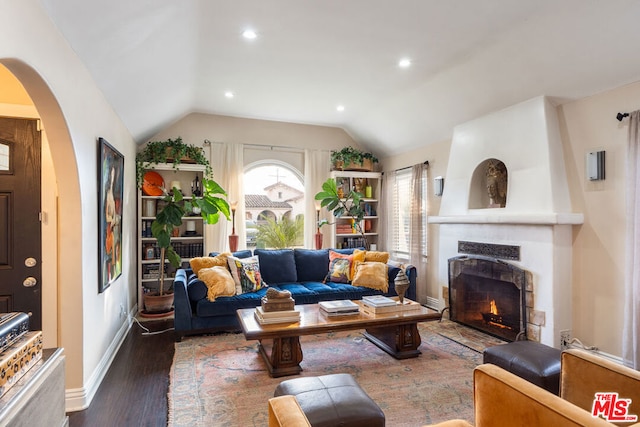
x,y
154,304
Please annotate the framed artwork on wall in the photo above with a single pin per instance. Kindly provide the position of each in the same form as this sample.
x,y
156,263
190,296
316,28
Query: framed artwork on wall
x,y
110,191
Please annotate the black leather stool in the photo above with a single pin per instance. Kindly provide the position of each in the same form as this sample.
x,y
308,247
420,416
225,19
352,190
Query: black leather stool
x,y
333,400
535,362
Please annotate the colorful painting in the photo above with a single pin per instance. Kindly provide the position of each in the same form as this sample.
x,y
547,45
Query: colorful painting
x,y
111,179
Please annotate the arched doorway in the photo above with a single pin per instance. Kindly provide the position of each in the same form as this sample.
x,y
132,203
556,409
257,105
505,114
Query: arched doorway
x,y
61,213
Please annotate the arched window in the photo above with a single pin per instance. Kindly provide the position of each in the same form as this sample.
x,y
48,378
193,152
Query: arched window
x,y
274,193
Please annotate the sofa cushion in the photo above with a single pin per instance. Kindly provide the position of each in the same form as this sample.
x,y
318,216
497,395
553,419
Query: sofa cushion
x,y
224,306
198,263
245,253
371,275
277,265
332,291
341,271
311,264
218,280
376,256
246,274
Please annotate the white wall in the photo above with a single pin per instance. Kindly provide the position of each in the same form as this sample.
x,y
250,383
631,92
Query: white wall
x,y
75,113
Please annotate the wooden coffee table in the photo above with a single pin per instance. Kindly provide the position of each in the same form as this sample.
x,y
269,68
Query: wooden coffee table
x,y
396,333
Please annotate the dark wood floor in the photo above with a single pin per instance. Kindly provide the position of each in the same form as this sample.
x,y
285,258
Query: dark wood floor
x,y
134,391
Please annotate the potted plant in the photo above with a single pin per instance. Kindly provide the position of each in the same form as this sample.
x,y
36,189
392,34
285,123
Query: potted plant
x,y
210,204
343,204
169,151
350,158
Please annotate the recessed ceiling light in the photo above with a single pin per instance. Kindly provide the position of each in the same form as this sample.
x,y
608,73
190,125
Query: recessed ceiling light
x,y
404,63
249,34
229,94
340,108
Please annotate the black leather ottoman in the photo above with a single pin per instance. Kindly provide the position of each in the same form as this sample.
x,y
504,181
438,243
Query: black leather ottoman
x,y
333,400
535,362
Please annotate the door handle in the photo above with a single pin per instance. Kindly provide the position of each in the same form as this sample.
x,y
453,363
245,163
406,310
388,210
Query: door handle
x,y
29,282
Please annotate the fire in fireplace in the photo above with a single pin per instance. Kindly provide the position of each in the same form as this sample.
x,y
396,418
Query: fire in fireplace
x,y
489,295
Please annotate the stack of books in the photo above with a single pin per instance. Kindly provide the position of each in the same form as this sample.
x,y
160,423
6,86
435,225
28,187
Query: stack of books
x,y
339,308
270,317
379,304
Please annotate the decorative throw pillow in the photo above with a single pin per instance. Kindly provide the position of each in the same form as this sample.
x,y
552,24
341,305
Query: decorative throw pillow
x,y
339,271
208,262
342,268
371,275
219,282
376,256
246,274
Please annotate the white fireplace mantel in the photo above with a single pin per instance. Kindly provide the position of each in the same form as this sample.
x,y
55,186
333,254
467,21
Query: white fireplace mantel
x,y
510,218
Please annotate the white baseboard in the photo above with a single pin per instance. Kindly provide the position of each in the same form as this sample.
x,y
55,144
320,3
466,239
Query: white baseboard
x,y
78,399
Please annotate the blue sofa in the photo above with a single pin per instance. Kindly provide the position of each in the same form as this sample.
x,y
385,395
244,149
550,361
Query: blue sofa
x,y
300,271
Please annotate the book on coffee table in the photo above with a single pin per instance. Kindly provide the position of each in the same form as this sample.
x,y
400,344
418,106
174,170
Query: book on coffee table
x,y
339,306
270,317
378,301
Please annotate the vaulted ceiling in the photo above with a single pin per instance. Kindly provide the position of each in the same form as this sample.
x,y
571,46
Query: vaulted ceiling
x,y
159,60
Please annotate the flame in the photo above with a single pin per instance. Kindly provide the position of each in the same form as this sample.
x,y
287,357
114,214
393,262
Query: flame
x,y
494,309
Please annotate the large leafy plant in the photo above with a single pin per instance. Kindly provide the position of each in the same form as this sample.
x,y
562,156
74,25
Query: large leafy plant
x,y
349,205
211,205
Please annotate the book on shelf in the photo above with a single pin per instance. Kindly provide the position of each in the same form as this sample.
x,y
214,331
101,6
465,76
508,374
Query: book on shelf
x,y
378,301
341,305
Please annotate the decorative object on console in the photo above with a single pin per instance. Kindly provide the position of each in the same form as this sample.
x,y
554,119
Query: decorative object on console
x,y
233,238
401,284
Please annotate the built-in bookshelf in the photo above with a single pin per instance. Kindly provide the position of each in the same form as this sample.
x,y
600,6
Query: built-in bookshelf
x,y
344,230
189,241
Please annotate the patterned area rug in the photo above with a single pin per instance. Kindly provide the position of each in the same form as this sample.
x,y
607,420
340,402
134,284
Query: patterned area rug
x,y
221,380
464,335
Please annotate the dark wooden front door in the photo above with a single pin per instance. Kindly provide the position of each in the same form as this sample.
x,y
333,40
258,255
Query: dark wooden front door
x,y
20,233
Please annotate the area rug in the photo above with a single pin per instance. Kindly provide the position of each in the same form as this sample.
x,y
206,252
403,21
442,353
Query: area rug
x,y
221,380
464,335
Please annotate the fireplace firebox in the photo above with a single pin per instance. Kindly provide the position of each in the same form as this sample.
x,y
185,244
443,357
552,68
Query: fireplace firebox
x,y
489,295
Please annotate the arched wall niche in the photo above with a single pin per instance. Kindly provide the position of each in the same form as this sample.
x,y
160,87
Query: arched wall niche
x,y
489,185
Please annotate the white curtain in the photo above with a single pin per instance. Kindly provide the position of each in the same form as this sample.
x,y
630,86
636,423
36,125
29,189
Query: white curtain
x,y
417,228
405,220
317,164
631,329
227,161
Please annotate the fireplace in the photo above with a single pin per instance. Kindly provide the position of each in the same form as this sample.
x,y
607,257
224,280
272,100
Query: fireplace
x,y
536,215
489,295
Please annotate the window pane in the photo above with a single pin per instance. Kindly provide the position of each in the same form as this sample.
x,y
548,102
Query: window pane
x,y
4,157
274,199
400,223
